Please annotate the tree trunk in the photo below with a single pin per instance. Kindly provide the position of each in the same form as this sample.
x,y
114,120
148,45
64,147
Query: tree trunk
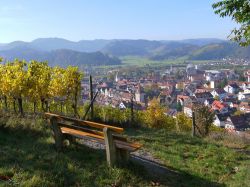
x,y
14,105
75,103
132,111
20,105
47,106
46,103
34,107
61,107
42,104
5,103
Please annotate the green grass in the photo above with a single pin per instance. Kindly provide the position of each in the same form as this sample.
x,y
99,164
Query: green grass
x,y
203,61
27,153
205,161
140,61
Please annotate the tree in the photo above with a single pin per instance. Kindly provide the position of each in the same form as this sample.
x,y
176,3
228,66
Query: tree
x,y
73,85
223,83
184,122
179,106
239,11
217,98
39,75
204,118
14,82
154,115
238,113
57,85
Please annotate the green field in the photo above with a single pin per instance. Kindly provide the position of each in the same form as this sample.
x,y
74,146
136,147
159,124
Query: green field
x,y
141,61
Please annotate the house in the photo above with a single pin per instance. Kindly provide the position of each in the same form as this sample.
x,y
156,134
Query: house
x,y
247,75
214,83
211,75
219,92
199,90
245,85
243,96
208,101
190,89
219,107
172,113
184,99
188,110
244,107
229,101
201,97
220,119
195,77
238,123
232,88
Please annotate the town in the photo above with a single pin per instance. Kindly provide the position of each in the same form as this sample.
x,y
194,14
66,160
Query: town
x,y
178,88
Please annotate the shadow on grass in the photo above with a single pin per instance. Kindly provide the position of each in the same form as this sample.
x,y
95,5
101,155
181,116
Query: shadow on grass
x,y
31,158
173,177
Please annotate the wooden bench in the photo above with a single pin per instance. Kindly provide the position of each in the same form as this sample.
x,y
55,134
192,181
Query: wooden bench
x,y
117,147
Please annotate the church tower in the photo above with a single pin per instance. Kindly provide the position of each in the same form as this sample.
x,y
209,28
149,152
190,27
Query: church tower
x,y
139,94
116,77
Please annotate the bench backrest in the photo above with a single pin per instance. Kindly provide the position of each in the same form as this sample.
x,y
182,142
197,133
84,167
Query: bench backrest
x,y
85,123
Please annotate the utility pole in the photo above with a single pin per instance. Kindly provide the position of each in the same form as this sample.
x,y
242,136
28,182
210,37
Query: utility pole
x,y
91,97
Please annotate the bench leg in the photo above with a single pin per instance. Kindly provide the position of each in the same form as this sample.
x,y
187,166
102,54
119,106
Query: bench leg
x,y
123,155
58,136
110,147
72,140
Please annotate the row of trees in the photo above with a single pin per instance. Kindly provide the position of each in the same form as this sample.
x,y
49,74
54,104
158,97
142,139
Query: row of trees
x,y
36,82
154,117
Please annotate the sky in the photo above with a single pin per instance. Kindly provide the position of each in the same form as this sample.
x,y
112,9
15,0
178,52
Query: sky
x,y
77,20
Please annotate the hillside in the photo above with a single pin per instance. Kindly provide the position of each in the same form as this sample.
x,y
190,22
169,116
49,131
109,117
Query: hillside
x,y
29,158
132,47
48,44
62,57
219,51
213,49
106,52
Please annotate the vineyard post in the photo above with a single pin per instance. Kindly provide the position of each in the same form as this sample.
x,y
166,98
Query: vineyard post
x,y
132,110
193,119
91,97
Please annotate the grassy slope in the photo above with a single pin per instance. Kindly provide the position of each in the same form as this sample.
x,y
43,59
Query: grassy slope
x,y
199,162
29,155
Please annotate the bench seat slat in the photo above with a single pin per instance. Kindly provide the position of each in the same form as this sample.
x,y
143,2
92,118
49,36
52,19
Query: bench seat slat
x,y
84,122
120,144
80,128
81,133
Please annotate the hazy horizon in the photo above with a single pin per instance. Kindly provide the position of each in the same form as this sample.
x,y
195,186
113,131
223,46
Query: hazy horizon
x,y
22,20
115,39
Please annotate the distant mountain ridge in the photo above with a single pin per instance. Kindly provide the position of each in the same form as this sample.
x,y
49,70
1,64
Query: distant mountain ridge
x,y
48,44
62,57
60,51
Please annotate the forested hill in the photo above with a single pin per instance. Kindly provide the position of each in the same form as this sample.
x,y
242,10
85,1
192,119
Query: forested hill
x,y
62,57
190,49
106,52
